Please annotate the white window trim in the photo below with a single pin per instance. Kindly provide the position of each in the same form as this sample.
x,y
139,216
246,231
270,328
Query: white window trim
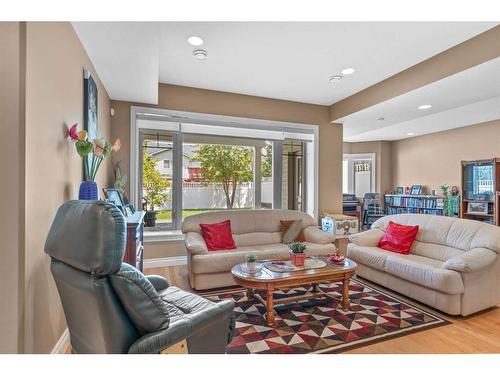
x,y
350,169
289,129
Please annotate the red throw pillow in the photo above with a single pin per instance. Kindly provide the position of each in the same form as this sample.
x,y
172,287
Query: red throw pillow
x,y
218,236
398,238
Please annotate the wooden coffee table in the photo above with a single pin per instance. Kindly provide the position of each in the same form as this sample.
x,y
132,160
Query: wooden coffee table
x,y
270,281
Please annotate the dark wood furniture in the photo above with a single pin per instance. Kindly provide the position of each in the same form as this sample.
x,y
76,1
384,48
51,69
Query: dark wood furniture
x,y
135,240
270,281
351,206
480,186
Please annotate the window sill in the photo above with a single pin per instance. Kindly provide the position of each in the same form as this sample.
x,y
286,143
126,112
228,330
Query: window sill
x,y
163,236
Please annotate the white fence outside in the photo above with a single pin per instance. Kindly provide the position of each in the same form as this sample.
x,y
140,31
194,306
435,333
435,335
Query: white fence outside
x,y
197,196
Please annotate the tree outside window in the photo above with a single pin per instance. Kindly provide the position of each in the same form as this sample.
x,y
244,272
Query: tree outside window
x,y
229,166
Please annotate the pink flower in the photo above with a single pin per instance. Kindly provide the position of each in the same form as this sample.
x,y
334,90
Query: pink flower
x,y
99,147
117,145
72,133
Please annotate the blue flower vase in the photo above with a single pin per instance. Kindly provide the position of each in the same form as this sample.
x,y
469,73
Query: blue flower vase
x,y
89,191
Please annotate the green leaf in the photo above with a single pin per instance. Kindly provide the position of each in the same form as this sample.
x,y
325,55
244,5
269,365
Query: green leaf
x,y
107,150
83,148
227,165
155,185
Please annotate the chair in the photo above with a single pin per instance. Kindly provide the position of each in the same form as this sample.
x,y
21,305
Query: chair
x,y
372,208
111,307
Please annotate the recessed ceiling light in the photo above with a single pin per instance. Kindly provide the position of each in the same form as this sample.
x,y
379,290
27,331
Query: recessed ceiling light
x,y
195,41
425,106
200,54
348,71
410,133
335,78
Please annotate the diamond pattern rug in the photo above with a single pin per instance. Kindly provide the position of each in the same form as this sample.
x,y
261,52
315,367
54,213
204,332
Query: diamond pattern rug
x,y
322,326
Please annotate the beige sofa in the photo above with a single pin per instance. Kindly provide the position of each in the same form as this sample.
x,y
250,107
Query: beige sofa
x,y
255,232
453,264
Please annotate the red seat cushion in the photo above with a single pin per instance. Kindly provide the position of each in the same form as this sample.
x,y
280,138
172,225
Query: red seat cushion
x,y
398,238
218,236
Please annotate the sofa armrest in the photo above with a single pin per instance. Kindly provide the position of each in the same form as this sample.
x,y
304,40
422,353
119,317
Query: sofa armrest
x,y
195,243
316,235
471,261
158,282
368,238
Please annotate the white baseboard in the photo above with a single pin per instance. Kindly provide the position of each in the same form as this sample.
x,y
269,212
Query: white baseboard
x,y
62,344
165,262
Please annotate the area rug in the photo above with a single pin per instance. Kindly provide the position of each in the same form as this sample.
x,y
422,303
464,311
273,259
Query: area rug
x,y
322,326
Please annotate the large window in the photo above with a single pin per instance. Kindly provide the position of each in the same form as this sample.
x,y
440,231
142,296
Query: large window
x,y
184,169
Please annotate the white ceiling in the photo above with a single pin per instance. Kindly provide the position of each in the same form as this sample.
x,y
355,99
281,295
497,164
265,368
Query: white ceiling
x,y
125,56
469,97
287,60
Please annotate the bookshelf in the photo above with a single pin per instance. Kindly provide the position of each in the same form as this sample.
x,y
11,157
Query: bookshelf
x,y
480,190
414,204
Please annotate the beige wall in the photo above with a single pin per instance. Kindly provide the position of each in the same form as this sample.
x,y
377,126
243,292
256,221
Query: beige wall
x,y
221,103
383,160
12,184
54,87
434,159
54,64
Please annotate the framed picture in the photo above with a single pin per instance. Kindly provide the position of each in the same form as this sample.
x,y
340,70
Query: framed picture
x,y
90,112
478,208
400,190
416,190
114,196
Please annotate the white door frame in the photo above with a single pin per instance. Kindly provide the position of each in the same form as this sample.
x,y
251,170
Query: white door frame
x,y
350,161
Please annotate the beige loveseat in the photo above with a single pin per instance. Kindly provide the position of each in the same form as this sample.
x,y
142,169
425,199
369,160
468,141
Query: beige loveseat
x,y
453,264
255,232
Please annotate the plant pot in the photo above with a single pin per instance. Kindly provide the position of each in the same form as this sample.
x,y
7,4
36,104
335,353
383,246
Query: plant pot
x,y
252,266
150,219
89,191
297,259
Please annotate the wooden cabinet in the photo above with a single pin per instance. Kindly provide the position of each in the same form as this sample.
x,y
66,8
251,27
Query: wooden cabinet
x,y
480,187
135,240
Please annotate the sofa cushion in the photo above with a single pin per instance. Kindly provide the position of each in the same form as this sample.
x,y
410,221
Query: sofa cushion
x,y
434,251
184,302
243,221
256,238
424,271
218,236
223,261
373,257
458,233
398,238
292,231
140,299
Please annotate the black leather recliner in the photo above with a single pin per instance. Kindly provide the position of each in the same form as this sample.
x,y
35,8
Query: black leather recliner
x,y
111,307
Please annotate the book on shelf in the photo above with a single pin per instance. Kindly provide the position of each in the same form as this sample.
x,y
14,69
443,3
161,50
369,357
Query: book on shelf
x,y
397,204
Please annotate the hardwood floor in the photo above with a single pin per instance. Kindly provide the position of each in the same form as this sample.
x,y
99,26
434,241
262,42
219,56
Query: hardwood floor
x,y
479,333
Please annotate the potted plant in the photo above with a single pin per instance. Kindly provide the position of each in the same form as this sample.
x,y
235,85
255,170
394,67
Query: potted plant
x,y
297,255
92,153
252,265
155,186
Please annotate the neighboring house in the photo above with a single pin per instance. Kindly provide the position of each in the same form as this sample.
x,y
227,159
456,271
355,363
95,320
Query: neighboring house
x,y
191,170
